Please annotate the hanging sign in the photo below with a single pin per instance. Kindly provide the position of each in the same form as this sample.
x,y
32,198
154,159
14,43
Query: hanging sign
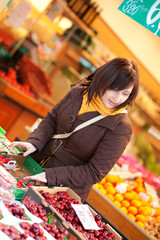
x,y
3,3
19,14
145,12
55,11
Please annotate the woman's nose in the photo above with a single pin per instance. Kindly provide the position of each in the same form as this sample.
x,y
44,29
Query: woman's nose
x,y
117,96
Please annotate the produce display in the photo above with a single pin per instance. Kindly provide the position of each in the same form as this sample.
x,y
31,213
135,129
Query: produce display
x,y
49,210
12,232
4,145
22,224
11,77
60,203
7,162
153,229
131,197
7,181
133,166
32,75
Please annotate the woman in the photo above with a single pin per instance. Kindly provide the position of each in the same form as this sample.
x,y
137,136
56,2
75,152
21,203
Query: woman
x,y
85,157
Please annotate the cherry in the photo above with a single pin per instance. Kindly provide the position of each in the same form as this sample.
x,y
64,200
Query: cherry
x,y
97,217
111,235
69,218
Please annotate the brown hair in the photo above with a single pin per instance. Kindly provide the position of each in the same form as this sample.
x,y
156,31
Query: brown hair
x,y
117,74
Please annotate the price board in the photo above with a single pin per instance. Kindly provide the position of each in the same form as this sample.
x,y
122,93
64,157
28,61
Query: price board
x,y
145,12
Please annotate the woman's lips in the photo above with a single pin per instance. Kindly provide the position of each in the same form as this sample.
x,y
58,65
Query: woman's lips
x,y
111,103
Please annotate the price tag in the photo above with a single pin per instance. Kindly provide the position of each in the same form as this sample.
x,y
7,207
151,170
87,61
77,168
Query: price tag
x,y
19,14
85,216
145,12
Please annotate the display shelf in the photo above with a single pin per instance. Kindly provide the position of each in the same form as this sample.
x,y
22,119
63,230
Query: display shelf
x,y
113,214
72,16
22,99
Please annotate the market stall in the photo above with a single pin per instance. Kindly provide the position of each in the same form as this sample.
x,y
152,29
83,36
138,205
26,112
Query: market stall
x,y
124,205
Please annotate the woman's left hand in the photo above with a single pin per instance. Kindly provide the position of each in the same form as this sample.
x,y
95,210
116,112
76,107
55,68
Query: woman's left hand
x,y
38,177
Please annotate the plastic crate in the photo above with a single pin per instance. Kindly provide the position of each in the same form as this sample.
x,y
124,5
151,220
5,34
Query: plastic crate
x,y
32,166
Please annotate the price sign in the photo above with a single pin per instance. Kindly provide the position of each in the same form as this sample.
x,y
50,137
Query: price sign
x,y
3,3
85,216
19,14
145,12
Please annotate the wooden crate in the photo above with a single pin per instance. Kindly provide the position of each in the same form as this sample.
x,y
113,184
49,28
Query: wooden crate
x,y
115,216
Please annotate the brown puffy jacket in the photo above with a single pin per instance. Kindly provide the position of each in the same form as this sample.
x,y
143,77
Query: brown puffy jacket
x,y
86,156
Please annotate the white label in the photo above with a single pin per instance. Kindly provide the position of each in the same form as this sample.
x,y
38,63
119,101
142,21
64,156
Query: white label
x,y
85,216
18,16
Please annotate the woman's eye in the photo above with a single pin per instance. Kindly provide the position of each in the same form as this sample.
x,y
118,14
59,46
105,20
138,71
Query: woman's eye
x,y
126,94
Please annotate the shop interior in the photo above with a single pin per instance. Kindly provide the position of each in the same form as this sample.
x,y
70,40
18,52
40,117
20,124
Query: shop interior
x,y
45,47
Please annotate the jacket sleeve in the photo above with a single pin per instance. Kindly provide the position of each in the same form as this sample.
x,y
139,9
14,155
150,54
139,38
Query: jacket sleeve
x,y
108,152
47,127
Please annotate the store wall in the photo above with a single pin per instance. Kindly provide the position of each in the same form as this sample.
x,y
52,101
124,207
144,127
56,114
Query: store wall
x,y
143,43
120,45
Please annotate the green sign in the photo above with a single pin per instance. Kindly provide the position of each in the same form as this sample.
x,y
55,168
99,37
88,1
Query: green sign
x,y
145,12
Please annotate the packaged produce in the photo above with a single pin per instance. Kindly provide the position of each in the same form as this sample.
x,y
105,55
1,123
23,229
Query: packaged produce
x,y
7,181
6,195
133,166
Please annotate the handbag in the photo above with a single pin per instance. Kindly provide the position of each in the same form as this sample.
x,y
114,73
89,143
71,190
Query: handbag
x,y
66,135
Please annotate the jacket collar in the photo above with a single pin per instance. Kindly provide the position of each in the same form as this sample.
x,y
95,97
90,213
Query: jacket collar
x,y
109,121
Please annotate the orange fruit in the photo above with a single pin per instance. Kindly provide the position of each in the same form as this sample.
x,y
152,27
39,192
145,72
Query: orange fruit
x,y
131,216
125,203
103,181
98,186
141,224
145,210
147,219
158,219
124,209
135,184
108,184
111,178
135,195
111,190
139,180
136,203
110,196
144,203
132,210
119,197
129,188
103,191
150,198
140,189
117,203
141,218
128,196
157,212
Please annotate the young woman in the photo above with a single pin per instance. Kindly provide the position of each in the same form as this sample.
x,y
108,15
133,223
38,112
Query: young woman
x,y
85,157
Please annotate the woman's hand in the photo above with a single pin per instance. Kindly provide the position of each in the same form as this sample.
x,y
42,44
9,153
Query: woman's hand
x,y
26,146
38,177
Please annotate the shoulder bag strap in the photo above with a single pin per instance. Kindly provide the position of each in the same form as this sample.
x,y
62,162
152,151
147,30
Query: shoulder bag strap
x,y
82,125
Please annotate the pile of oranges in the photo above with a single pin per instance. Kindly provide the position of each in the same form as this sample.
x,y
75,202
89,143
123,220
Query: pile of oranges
x,y
130,200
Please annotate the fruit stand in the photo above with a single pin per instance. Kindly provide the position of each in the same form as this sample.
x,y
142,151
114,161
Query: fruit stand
x,y
38,212
120,207
130,201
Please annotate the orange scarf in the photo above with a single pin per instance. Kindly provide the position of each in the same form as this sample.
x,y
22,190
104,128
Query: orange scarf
x,y
96,104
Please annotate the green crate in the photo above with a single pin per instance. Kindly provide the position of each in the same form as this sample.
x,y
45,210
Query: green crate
x,y
32,166
19,193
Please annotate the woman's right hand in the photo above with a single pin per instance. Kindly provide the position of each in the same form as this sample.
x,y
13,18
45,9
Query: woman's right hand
x,y
26,146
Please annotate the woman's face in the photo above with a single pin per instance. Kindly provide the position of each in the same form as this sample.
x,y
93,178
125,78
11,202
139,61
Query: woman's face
x,y
113,98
